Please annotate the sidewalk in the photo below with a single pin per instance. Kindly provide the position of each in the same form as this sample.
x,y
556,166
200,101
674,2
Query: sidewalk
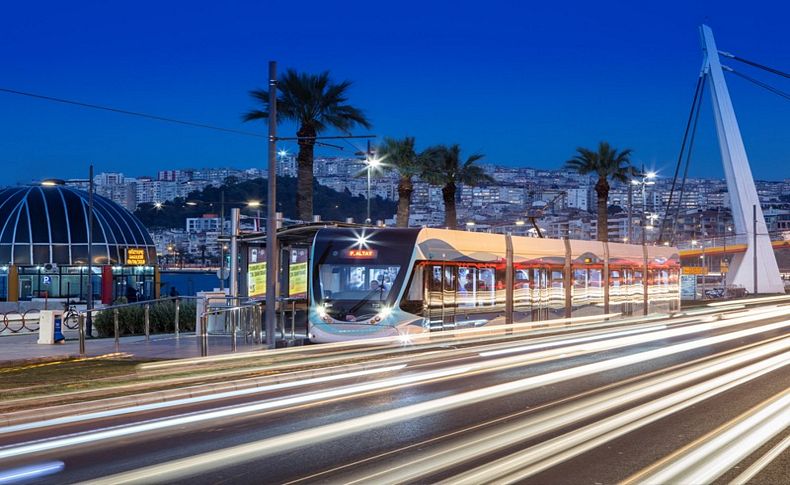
x,y
23,347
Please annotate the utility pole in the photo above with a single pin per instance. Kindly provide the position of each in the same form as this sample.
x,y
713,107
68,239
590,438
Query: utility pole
x,y
89,302
271,212
754,231
630,212
221,237
368,160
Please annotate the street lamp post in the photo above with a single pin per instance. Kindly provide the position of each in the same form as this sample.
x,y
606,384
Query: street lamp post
x,y
371,162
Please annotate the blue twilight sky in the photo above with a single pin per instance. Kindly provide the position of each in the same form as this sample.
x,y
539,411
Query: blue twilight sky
x,y
523,82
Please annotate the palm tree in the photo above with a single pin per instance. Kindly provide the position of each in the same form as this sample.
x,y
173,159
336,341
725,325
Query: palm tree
x,y
399,155
442,165
315,103
607,163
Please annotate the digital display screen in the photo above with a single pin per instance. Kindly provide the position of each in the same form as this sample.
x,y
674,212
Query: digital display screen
x,y
135,257
361,253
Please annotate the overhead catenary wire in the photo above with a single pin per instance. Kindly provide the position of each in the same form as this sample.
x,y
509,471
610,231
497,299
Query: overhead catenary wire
x,y
168,119
131,113
755,64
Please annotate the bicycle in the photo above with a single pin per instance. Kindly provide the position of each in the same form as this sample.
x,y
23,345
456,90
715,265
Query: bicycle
x,y
71,317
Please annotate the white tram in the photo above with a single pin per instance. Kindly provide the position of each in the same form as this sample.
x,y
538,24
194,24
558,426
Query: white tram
x,y
367,283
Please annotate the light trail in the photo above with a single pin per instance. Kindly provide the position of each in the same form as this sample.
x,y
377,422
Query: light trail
x,y
756,467
709,457
158,425
567,341
526,463
430,462
262,448
194,400
30,472
447,355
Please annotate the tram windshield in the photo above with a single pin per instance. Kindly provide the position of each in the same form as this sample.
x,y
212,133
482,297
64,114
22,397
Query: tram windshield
x,y
356,282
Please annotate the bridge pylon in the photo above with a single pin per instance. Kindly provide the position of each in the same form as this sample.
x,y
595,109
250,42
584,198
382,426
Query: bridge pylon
x,y
756,269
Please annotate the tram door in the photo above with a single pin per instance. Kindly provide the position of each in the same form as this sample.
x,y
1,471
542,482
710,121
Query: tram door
x,y
440,301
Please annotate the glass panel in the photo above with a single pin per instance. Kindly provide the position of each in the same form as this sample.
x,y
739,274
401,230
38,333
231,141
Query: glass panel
x,y
38,215
57,215
22,227
40,254
5,253
76,215
60,254
22,254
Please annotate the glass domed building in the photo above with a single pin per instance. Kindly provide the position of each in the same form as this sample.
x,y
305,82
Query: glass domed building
x,y
44,246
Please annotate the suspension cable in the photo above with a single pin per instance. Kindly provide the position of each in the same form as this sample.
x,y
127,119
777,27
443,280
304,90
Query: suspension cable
x,y
755,64
680,155
758,83
688,160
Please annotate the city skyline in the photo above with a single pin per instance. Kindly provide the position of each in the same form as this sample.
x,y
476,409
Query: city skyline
x,y
534,84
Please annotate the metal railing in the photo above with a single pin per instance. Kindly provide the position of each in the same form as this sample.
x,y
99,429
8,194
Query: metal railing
x,y
17,321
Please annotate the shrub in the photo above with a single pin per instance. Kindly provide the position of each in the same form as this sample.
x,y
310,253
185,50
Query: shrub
x,y
131,319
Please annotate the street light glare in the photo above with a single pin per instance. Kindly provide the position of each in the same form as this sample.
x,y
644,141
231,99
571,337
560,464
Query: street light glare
x,y
651,175
254,203
283,153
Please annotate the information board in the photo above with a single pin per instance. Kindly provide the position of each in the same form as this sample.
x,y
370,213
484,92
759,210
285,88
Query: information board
x,y
256,279
135,257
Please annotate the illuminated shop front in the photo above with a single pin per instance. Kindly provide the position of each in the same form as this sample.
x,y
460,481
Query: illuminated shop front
x,y
44,247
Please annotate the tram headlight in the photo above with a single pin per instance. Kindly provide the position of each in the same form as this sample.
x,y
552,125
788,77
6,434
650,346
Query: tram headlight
x,y
384,313
322,314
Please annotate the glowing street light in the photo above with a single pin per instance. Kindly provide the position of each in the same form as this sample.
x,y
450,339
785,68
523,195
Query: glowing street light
x,y
371,163
158,205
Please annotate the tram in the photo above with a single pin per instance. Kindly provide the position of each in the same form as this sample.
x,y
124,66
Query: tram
x,y
384,282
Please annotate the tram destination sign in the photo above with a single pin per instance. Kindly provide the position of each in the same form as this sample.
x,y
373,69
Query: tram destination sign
x,y
135,257
361,253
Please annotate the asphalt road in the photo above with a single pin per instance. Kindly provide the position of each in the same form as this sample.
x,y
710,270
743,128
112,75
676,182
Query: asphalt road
x,y
689,398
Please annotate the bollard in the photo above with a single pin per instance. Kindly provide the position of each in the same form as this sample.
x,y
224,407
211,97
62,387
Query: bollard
x,y
81,326
233,323
175,323
117,329
204,335
147,317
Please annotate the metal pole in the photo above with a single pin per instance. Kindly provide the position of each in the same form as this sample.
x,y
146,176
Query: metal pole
x,y
89,322
147,317
293,319
177,316
222,236
271,210
202,336
367,161
235,215
630,212
116,328
81,326
754,244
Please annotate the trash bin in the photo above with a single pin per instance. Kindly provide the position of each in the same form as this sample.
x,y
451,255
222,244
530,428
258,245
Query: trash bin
x,y
50,327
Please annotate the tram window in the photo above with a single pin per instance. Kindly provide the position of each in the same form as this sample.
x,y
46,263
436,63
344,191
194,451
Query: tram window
x,y
467,286
436,278
486,286
596,277
579,278
614,279
412,301
556,279
449,278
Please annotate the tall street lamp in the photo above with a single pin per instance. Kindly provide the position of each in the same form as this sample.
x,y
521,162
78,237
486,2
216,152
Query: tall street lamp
x,y
646,179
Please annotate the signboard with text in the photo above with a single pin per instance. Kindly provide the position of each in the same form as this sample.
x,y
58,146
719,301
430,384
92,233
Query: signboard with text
x,y
135,257
256,279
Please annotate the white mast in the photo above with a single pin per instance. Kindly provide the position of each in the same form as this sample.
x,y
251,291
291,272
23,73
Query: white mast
x,y
740,186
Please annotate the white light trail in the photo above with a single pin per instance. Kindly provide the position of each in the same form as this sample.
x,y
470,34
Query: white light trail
x,y
194,400
158,425
709,458
523,464
258,449
30,472
431,461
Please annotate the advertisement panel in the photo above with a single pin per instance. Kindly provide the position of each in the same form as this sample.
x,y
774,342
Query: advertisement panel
x,y
256,279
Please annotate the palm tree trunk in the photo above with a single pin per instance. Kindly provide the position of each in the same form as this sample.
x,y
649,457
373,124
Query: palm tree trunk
x,y
405,189
304,182
450,216
602,189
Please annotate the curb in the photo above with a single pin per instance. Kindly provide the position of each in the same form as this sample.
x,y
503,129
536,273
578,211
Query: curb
x,y
58,411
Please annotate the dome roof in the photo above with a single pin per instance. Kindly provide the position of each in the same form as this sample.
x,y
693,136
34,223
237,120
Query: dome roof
x,y
40,225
